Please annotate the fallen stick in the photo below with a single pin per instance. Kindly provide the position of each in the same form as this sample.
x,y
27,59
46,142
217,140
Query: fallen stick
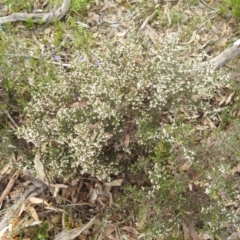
x,y
11,119
10,185
226,55
57,14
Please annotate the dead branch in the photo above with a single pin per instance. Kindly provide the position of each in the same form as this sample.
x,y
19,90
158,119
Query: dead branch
x,y
10,185
11,119
226,55
57,14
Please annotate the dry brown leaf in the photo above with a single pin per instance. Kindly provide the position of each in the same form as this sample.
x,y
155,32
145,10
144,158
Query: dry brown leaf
x,y
34,223
222,101
36,200
137,60
12,158
55,218
185,166
193,37
58,185
223,42
130,229
78,104
66,193
167,13
208,121
95,193
113,238
142,222
229,204
95,35
55,191
215,30
57,210
81,24
100,237
201,128
121,34
114,183
126,140
127,237
34,213
109,230
74,182
71,234
152,34
93,18
189,232
39,167
230,97
23,208
236,169
47,30
74,199
44,147
31,81
226,29
90,188
205,236
195,116
5,168
146,21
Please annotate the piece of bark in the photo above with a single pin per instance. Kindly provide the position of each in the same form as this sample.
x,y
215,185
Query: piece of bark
x,y
226,55
57,14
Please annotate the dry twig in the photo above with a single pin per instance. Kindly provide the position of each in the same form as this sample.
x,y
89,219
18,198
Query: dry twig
x,y
57,14
10,185
226,55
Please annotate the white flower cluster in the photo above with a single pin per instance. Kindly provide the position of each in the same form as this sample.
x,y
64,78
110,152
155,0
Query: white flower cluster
x,y
81,113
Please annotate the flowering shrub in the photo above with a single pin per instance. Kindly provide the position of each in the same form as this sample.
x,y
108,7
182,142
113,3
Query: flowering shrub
x,y
110,106
125,108
191,186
